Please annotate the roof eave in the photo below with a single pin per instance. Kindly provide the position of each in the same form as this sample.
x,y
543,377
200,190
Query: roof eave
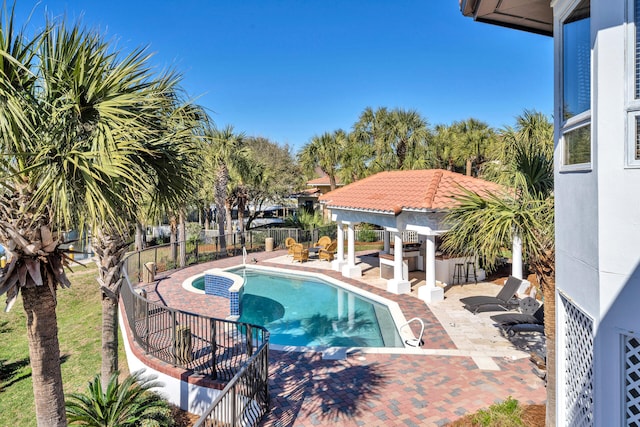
x,y
352,209
536,18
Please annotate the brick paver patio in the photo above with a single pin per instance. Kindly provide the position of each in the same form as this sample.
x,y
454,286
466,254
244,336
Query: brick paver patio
x,y
438,384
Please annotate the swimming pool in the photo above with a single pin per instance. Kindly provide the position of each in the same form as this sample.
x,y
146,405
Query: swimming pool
x,y
302,310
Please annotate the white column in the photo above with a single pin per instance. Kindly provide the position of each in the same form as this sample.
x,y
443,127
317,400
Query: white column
x,y
351,245
516,257
399,284
397,257
430,253
385,239
338,262
430,292
351,269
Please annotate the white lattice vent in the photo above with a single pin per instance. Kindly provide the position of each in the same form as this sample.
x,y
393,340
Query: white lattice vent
x,y
632,380
578,343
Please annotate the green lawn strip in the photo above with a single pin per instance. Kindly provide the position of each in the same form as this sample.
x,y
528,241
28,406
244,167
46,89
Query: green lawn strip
x,y
79,332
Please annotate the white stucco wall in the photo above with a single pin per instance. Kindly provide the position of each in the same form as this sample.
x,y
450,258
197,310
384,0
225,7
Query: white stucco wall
x,y
598,211
189,397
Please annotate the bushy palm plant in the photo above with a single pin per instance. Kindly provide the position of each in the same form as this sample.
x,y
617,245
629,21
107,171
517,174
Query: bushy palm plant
x,y
305,220
127,404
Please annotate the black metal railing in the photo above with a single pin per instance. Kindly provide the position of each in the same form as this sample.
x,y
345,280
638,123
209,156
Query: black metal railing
x,y
223,350
245,399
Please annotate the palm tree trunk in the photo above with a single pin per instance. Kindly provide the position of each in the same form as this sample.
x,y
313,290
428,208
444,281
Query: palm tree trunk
x,y
544,267
223,240
39,304
173,240
141,236
241,205
182,235
229,220
109,339
469,167
110,248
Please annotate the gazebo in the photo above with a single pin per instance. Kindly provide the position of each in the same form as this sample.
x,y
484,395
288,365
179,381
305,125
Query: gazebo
x,y
413,200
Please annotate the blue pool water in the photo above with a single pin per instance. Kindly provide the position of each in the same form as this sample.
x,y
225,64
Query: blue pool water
x,y
305,311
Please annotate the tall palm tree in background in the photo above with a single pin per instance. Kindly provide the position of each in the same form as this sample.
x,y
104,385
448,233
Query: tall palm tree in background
x,y
472,139
407,136
485,226
325,152
355,160
224,148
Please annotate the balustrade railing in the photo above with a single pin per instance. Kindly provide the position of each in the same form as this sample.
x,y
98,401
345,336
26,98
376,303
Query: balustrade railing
x,y
227,351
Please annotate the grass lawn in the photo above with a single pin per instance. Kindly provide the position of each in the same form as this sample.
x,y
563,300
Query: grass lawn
x,y
79,324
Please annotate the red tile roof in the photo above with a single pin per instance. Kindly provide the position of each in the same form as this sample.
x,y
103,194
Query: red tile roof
x,y
431,189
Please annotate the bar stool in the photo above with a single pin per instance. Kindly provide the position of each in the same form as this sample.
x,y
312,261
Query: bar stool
x,y
458,273
471,264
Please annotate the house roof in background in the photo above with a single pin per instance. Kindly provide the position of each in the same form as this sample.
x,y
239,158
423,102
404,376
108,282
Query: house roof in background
x,y
323,181
395,191
529,15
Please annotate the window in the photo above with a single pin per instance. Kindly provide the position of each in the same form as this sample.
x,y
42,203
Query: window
x,y
633,105
576,86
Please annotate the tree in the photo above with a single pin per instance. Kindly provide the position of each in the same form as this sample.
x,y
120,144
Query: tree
x,y
276,177
224,149
486,225
398,138
356,159
325,152
408,135
472,137
162,161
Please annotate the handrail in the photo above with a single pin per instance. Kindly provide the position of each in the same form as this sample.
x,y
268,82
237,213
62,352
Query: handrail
x,y
415,342
224,350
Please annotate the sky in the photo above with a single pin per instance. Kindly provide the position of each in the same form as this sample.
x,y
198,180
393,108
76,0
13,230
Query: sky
x,y
288,70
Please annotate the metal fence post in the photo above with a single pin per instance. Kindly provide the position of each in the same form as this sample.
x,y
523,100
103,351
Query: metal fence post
x,y
249,340
233,406
173,337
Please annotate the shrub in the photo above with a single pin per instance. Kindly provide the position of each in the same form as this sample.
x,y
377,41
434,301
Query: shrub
x,y
193,229
124,405
504,414
366,233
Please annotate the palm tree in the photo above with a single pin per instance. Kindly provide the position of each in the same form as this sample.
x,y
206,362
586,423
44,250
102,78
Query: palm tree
x,y
485,226
325,152
408,133
89,134
224,149
356,159
472,137
371,126
114,108
130,403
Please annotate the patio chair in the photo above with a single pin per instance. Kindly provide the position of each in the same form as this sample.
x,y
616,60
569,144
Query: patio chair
x,y
288,243
300,253
323,242
504,299
513,323
328,252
